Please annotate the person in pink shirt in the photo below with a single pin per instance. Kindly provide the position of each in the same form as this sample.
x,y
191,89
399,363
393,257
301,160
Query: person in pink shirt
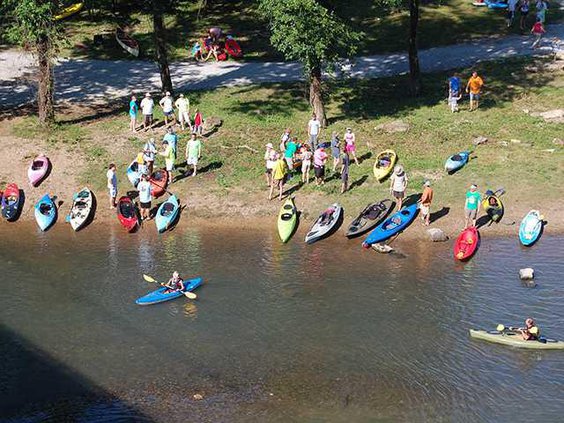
x,y
319,159
350,144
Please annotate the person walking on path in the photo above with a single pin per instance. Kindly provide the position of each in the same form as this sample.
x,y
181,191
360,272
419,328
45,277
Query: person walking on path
x,y
345,163
306,156
193,153
149,152
278,176
133,109
511,8
454,92
112,184
168,154
350,144
537,30
198,122
472,206
286,136
167,105
147,105
398,185
269,162
183,106
524,10
541,7
144,188
291,148
425,206
335,150
319,159
474,88
314,131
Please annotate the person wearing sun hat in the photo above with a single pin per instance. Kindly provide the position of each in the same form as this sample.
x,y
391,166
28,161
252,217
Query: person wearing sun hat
x,y
472,205
398,184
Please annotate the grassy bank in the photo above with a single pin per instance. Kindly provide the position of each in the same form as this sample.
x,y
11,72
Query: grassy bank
x,y
515,156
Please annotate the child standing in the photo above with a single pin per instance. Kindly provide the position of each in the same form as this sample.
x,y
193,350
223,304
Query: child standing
x,y
306,163
537,31
198,122
350,144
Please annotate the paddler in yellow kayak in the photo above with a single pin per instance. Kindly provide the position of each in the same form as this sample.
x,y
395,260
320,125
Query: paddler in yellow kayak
x,y
530,332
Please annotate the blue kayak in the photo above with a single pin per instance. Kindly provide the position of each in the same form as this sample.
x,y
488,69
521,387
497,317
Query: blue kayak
x,y
456,161
45,212
496,5
392,225
133,173
167,213
159,295
530,228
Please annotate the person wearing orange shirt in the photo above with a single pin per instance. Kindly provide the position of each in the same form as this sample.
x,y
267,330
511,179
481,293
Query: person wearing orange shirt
x,y
474,87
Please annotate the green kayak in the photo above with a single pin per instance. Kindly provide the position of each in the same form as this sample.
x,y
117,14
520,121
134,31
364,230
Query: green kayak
x,y
287,219
514,339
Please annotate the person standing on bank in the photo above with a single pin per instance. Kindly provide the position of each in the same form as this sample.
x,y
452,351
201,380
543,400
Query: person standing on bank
x,y
133,109
166,104
147,105
345,163
149,152
144,188
398,185
474,88
472,206
314,131
335,150
426,200
112,184
350,144
193,153
183,106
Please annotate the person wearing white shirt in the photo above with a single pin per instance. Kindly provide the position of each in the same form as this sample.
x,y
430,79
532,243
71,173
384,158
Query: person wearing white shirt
x,y
149,152
313,130
183,106
147,105
166,104
511,6
112,184
144,188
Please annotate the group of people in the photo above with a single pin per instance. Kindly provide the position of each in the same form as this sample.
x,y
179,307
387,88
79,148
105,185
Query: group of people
x,y
293,155
473,89
524,6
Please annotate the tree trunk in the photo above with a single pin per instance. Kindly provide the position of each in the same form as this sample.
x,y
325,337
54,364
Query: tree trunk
x,y
316,96
45,97
414,71
160,47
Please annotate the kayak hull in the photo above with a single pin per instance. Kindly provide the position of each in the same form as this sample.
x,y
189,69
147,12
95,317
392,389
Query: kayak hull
x,y
233,48
466,244
127,213
45,212
531,228
167,214
159,182
381,170
126,42
372,215
456,161
494,207
11,203
133,173
81,210
69,11
287,220
514,339
38,170
326,223
393,225
159,295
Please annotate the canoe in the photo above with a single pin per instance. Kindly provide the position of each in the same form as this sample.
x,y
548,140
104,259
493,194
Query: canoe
x,y
159,181
456,161
69,11
81,209
287,219
232,47
530,228
127,213
37,170
514,339
393,225
11,202
133,173
384,164
45,212
466,244
127,43
167,213
493,206
325,224
159,295
371,216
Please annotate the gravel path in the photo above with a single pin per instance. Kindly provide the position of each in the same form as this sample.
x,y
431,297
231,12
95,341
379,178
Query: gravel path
x,y
90,81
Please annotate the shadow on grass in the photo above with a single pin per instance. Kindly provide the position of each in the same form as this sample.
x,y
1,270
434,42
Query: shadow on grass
x,y
358,182
433,217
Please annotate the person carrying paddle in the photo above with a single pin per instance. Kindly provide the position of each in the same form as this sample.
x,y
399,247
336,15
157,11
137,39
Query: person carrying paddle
x,y
472,206
175,283
530,332
133,109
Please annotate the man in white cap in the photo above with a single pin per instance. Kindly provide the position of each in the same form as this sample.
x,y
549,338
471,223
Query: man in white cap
x,y
426,200
166,104
398,184
147,105
183,106
472,205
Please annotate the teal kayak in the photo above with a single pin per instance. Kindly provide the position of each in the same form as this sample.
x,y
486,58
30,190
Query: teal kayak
x,y
167,214
160,296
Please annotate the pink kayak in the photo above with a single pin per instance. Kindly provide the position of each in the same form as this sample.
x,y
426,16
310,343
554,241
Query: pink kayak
x,y
38,170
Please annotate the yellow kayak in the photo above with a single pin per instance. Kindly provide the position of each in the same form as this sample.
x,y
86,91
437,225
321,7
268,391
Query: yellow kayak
x,y
69,11
385,162
514,339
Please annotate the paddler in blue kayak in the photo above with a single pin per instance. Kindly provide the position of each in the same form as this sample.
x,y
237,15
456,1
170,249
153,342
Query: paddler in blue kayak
x,y
175,283
530,332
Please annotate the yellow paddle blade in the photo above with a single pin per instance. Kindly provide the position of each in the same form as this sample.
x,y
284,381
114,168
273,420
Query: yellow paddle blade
x,y
148,278
460,255
500,328
534,330
190,295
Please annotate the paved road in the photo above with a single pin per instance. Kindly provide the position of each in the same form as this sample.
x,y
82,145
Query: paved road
x,y
89,81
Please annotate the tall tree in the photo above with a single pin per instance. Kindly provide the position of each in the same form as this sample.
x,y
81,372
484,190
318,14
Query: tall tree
x,y
305,31
414,70
31,24
158,8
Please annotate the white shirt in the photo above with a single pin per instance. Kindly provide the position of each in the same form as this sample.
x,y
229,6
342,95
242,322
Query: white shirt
x,y
314,126
166,104
150,156
147,105
399,182
144,188
112,179
183,105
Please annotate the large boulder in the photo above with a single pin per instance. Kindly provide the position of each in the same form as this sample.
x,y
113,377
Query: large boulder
x,y
526,274
555,115
395,126
437,235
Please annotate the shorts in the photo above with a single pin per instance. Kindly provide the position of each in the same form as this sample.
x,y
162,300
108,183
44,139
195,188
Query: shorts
x,y
510,14
169,114
267,170
169,165
319,171
184,117
146,205
350,148
335,152
524,13
398,194
306,165
192,161
470,214
289,162
313,140
148,119
424,208
132,115
113,192
344,177
474,96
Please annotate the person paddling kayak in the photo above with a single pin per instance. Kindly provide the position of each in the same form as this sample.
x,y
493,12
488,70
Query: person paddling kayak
x,y
530,332
176,283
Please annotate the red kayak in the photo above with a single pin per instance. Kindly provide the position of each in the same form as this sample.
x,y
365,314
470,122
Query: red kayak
x,y
159,181
466,244
11,202
233,48
127,213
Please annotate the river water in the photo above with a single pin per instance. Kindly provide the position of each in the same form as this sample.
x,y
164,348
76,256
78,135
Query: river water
x,y
323,332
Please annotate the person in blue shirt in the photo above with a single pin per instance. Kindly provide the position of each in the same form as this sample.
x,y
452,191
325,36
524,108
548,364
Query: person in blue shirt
x,y
454,91
172,139
133,109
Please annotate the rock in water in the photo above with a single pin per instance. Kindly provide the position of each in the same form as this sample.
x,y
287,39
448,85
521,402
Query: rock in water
x,y
479,140
437,235
382,248
526,274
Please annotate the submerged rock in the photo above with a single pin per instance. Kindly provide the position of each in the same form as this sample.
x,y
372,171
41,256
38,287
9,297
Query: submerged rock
x,y
437,235
527,273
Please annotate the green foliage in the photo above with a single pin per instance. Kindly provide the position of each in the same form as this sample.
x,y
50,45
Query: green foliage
x,y
305,31
30,20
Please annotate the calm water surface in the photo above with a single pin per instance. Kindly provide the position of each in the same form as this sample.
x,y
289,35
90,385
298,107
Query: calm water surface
x,y
326,332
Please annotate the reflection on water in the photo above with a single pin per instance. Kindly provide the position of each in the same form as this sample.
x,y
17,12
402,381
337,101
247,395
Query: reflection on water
x,y
321,332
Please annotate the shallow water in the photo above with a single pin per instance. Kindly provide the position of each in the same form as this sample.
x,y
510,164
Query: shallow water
x,y
322,332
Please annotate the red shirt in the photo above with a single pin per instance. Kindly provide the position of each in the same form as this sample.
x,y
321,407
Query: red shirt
x,y
538,28
198,119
